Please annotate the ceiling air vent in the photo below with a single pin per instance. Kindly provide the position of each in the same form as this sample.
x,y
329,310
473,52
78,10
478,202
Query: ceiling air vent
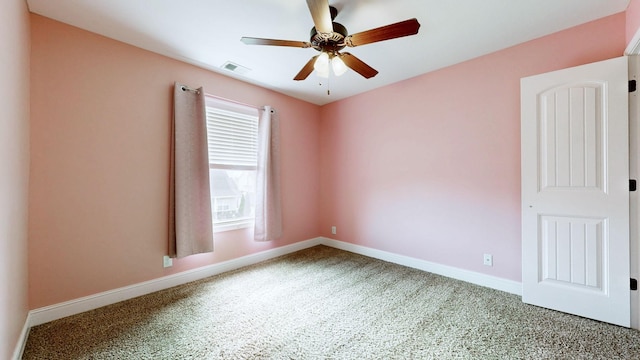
x,y
233,67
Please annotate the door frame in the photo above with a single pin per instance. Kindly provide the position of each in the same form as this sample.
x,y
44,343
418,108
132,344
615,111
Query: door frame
x,y
633,53
634,196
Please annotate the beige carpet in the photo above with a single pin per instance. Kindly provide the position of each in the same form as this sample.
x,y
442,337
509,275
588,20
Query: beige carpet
x,y
323,303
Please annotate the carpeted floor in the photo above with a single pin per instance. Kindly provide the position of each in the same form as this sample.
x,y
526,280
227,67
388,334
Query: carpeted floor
x,y
324,303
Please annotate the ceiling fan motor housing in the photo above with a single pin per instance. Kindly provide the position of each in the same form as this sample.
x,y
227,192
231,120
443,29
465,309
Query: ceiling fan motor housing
x,y
331,42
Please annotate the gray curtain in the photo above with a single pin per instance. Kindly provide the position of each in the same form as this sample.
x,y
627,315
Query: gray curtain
x,y
268,222
190,223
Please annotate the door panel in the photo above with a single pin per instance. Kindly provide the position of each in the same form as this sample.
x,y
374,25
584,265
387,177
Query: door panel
x,y
572,252
571,125
575,171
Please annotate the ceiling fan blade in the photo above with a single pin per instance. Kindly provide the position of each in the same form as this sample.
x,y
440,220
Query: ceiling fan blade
x,y
358,65
306,70
259,41
321,15
392,31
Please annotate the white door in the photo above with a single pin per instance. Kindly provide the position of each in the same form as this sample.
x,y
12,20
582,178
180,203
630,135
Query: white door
x,y
575,191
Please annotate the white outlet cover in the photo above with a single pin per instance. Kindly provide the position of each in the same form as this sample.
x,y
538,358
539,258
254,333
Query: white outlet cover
x,y
167,261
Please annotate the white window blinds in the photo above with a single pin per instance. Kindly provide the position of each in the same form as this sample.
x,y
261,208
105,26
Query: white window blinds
x,y
232,135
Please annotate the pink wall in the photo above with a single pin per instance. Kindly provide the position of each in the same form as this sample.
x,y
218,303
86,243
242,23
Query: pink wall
x,y
101,113
430,167
14,178
632,20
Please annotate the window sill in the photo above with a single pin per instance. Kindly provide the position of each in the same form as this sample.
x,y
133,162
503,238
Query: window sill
x,y
232,225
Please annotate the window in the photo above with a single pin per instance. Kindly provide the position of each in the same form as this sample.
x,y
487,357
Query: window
x,y
232,134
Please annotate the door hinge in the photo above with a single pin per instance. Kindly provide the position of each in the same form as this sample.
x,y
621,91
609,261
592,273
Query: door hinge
x,y
632,185
632,86
634,284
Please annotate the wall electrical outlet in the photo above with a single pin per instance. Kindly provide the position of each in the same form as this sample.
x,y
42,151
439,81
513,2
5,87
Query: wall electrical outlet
x,y
333,230
488,259
167,261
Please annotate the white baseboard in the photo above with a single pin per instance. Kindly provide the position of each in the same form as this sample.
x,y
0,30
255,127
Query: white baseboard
x,y
57,311
22,340
489,281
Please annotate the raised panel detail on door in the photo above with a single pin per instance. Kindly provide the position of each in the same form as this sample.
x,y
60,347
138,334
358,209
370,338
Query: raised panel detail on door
x,y
571,144
572,252
575,191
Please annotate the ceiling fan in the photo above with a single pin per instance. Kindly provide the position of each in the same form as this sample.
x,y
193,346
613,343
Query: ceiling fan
x,y
329,38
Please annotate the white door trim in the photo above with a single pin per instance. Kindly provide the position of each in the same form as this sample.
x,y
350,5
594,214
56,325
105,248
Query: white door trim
x,y
633,48
634,197
633,52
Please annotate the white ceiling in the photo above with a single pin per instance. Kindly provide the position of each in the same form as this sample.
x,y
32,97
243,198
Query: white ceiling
x,y
207,33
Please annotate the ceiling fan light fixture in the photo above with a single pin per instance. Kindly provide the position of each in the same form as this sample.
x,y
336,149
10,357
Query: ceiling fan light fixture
x,y
323,73
322,65
338,66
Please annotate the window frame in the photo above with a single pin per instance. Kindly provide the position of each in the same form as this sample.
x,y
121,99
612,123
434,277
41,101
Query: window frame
x,y
242,111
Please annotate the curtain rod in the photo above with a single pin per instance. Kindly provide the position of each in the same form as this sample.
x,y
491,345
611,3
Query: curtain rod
x,y
186,88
